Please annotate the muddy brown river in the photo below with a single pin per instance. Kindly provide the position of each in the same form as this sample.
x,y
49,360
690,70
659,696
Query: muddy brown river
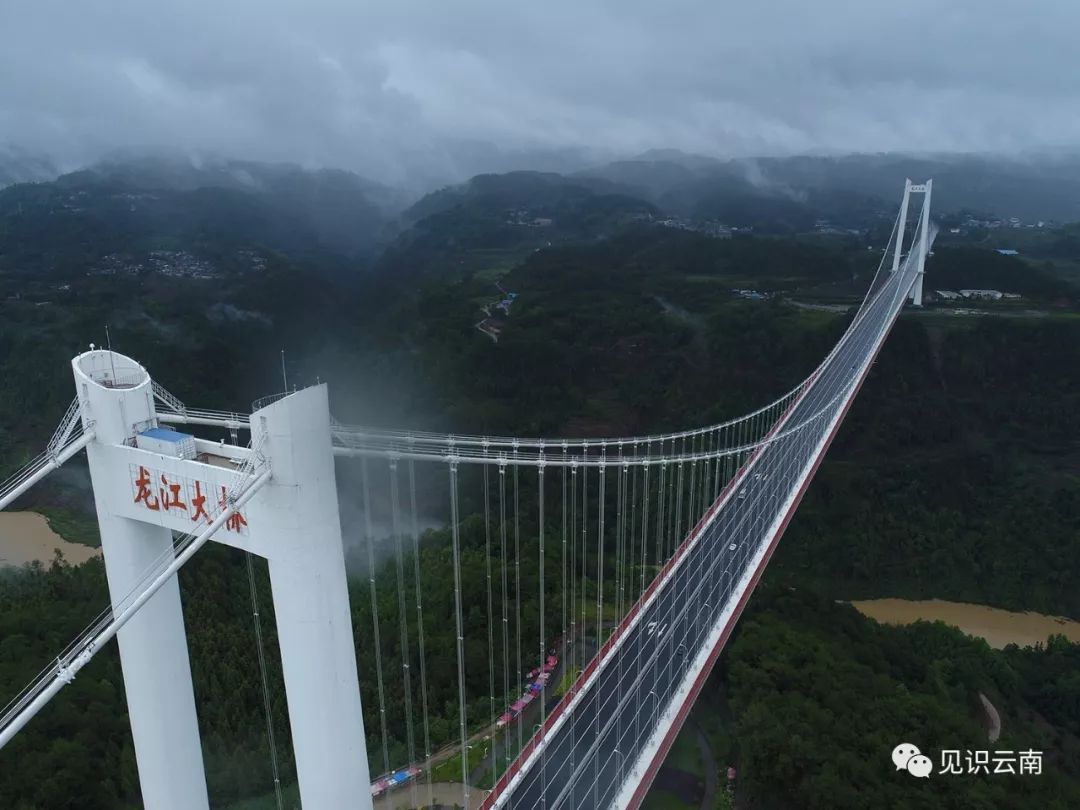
x,y
27,536
998,627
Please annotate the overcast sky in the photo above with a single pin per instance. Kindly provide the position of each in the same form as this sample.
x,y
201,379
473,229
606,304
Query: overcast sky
x,y
386,87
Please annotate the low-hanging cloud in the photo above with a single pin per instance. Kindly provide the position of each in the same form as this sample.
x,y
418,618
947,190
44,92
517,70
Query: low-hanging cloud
x,y
405,90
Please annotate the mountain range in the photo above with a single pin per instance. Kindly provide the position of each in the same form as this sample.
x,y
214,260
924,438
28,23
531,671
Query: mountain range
x,y
137,203
1043,187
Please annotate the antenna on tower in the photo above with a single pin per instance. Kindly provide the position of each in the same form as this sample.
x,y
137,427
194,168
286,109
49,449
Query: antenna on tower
x,y
284,379
112,359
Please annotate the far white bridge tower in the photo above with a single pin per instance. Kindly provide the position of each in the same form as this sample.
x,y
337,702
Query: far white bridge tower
x,y
923,229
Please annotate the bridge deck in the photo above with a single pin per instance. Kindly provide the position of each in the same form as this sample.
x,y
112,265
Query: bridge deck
x,y
646,681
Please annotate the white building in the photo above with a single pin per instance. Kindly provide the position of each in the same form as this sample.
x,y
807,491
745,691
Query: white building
x,y
992,295
166,441
947,295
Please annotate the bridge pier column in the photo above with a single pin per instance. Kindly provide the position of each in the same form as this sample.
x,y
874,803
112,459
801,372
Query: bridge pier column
x,y
902,226
923,247
115,394
311,601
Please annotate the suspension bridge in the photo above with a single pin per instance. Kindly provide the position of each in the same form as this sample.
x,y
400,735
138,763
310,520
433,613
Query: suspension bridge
x,y
641,553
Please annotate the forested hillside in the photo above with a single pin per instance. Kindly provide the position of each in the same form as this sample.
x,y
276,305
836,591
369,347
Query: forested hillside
x,y
115,216
956,475
811,698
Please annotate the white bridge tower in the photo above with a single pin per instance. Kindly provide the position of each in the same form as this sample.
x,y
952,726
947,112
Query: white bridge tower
x,y
923,247
150,481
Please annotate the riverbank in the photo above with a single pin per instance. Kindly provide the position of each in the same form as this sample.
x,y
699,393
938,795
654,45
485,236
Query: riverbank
x,y
998,627
443,794
27,536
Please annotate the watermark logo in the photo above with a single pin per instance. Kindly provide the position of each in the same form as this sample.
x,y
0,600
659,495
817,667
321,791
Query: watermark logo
x,y
908,757
987,762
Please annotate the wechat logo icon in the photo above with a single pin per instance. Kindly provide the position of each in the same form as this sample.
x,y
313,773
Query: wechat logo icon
x,y
907,757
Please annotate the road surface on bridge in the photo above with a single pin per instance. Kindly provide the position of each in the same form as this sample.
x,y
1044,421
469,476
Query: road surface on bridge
x,y
621,705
